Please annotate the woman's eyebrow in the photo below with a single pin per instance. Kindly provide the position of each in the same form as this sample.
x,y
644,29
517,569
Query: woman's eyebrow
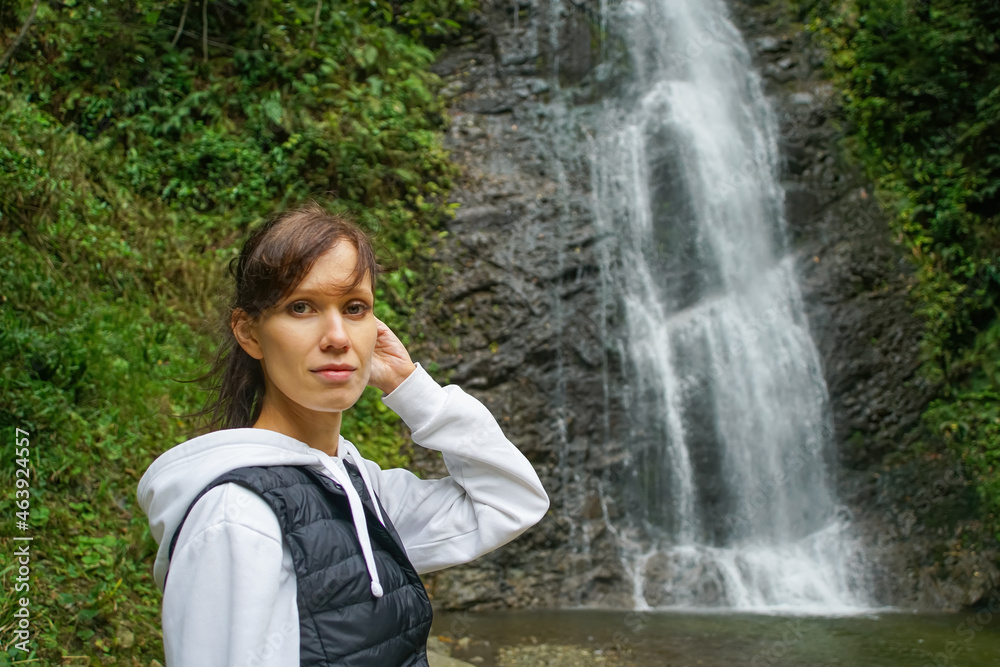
x,y
333,289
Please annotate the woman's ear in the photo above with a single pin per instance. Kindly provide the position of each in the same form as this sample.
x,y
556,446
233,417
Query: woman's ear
x,y
245,333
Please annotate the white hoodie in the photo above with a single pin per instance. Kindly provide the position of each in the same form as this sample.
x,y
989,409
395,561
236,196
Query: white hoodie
x,y
230,598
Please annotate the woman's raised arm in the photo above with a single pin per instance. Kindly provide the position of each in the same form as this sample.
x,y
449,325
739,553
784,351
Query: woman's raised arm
x,y
491,495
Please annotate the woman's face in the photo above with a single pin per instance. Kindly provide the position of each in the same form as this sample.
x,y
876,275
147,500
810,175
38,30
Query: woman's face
x,y
316,345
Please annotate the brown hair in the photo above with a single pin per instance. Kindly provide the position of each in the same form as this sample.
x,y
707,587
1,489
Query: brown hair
x,y
274,260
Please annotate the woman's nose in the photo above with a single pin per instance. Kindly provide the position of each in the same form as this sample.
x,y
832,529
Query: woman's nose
x,y
334,333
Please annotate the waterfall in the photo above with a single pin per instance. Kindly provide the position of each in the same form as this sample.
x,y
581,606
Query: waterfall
x,y
729,486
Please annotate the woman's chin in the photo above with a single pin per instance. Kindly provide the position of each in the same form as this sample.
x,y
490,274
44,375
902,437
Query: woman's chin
x,y
338,404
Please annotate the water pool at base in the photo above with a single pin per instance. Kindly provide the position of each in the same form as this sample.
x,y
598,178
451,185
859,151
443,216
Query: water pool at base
x,y
687,639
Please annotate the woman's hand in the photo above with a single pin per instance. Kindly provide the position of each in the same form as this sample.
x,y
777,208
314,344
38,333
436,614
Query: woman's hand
x,y
391,362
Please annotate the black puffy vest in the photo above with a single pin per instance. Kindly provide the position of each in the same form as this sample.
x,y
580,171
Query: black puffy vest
x,y
340,621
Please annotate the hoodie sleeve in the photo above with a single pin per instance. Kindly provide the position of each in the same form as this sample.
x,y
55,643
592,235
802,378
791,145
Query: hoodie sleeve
x,y
230,596
492,493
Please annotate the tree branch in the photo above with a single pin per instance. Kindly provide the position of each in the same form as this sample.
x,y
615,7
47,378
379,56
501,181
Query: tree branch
x,y
180,28
319,7
17,40
204,31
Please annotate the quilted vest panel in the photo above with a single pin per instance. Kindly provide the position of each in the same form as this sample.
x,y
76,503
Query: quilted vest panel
x,y
340,621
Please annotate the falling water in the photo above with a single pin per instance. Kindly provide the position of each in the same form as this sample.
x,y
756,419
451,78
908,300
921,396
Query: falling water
x,y
729,493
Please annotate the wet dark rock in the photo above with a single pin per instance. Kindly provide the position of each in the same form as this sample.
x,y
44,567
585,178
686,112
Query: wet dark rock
x,y
769,45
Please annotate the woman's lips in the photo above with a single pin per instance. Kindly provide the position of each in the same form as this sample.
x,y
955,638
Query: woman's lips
x,y
335,374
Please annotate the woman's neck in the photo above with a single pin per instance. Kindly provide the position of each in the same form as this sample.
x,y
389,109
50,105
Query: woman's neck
x,y
319,430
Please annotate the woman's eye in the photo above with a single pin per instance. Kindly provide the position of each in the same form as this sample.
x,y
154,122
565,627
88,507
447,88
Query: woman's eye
x,y
357,308
295,307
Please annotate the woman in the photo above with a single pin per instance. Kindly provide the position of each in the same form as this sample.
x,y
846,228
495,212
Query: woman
x,y
283,545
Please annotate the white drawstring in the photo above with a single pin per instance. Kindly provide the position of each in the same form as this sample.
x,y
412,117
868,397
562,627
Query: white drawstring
x,y
340,473
355,455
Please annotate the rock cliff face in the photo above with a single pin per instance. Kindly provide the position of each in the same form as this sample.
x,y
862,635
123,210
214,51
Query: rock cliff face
x,y
520,324
520,321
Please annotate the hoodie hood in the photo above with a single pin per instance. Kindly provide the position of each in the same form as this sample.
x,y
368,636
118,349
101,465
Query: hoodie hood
x,y
173,480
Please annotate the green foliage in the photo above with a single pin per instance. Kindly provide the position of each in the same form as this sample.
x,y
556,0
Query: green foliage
x,y
130,169
968,419
920,82
921,92
268,118
88,373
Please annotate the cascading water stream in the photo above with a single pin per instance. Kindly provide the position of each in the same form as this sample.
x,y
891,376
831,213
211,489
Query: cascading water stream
x,y
729,499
